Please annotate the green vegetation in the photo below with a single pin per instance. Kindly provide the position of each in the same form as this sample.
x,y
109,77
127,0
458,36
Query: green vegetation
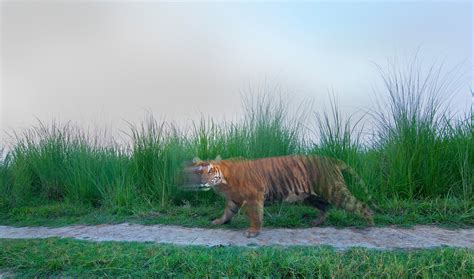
x,y
72,258
418,161
452,213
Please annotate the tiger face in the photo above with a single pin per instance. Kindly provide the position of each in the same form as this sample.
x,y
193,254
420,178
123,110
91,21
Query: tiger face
x,y
209,174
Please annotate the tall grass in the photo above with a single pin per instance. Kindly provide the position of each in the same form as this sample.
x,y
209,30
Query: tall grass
x,y
341,138
424,150
269,129
59,162
418,150
158,151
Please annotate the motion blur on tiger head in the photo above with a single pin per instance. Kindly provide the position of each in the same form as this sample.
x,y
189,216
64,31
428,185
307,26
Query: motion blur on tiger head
x,y
314,179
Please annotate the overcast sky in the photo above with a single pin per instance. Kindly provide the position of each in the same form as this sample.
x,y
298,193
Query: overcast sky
x,y
101,62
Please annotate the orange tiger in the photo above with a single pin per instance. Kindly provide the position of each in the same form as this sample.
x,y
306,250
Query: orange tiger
x,y
315,179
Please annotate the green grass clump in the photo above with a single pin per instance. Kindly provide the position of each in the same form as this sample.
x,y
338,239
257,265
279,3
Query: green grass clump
x,y
416,151
72,258
158,152
424,150
266,130
62,163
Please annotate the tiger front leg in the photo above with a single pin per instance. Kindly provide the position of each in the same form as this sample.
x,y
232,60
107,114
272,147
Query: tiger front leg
x,y
230,210
254,211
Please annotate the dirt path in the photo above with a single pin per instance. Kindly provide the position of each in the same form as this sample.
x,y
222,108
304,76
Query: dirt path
x,y
376,238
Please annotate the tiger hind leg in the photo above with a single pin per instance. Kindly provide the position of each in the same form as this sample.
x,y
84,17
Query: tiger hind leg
x,y
323,207
342,198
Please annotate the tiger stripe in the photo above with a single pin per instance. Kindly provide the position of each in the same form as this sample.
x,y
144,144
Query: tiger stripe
x,y
314,179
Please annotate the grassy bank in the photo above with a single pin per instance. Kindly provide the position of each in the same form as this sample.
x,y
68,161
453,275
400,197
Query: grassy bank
x,y
451,213
55,257
418,152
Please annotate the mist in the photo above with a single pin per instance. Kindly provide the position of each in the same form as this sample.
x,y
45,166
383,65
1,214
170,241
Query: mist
x,y
104,63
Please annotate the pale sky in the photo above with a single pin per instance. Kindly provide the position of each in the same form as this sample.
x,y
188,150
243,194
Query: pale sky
x,y
103,62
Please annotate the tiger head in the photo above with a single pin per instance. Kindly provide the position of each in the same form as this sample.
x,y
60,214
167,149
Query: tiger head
x,y
208,173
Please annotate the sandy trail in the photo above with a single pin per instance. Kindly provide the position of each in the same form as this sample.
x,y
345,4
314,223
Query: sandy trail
x,y
375,238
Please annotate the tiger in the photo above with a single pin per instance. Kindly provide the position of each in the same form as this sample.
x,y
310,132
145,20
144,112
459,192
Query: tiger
x,y
308,178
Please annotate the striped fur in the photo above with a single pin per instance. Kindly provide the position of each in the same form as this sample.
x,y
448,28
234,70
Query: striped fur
x,y
317,180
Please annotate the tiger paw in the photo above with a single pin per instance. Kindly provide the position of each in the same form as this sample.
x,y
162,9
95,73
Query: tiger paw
x,y
217,222
251,233
316,223
370,223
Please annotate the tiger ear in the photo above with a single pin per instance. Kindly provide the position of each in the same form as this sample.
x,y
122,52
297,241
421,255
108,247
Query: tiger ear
x,y
218,158
196,160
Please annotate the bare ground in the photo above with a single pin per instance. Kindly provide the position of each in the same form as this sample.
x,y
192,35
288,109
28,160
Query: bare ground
x,y
375,238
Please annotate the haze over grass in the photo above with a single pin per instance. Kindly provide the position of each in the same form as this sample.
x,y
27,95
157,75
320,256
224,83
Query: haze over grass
x,y
418,150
